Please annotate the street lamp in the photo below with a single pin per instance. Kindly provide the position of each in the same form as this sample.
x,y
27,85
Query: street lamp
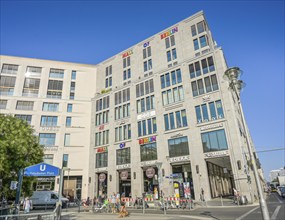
x,y
236,85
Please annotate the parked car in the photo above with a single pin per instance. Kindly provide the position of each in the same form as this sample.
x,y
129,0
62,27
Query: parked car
x,y
47,199
281,191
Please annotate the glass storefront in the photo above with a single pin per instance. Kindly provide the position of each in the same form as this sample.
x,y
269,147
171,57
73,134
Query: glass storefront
x,y
182,181
102,184
150,181
125,183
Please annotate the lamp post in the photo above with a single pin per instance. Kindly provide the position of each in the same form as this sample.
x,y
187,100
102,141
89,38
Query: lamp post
x,y
232,75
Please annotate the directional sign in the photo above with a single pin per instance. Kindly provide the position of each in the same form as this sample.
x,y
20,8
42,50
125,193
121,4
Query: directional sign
x,y
41,169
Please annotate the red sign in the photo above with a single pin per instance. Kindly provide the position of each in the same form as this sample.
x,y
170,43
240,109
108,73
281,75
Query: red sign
x,y
150,172
102,149
124,175
101,127
147,140
126,54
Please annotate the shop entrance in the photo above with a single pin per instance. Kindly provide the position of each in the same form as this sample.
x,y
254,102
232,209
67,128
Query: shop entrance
x,y
182,181
125,183
220,176
72,187
150,182
102,184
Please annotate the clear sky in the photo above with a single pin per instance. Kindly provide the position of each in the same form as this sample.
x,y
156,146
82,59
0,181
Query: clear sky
x,y
251,34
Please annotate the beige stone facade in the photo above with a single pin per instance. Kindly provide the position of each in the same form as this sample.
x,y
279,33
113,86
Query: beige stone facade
x,y
170,85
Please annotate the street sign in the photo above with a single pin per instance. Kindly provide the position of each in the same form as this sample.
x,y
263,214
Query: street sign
x,y
13,185
174,175
41,169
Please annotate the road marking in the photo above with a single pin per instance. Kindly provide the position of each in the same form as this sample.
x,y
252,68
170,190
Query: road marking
x,y
246,214
194,217
275,213
278,199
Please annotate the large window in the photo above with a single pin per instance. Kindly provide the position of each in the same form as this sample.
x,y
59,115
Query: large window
x,y
170,41
33,71
48,158
49,121
209,112
146,52
72,91
171,55
148,152
175,120
31,87
54,89
122,96
69,107
200,42
145,104
65,160
205,85
27,118
3,104
68,122
66,139
101,159
50,107
178,147
147,127
173,95
124,156
144,88
127,71
47,139
214,141
7,84
9,69
25,105
122,111
108,75
172,78
123,133
73,75
102,103
102,138
56,73
207,66
102,118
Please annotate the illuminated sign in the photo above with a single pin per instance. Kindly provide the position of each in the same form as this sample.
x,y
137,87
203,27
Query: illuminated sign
x,y
147,140
168,33
128,53
102,149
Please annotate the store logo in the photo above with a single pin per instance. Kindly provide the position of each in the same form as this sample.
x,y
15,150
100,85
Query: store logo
x,y
168,33
128,53
146,44
147,140
122,145
102,149
150,172
102,177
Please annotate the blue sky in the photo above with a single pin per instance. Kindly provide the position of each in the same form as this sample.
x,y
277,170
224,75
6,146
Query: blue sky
x,y
251,34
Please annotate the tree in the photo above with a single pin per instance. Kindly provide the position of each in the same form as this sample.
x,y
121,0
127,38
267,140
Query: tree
x,y
19,148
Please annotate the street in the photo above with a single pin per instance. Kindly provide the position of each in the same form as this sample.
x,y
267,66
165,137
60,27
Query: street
x,y
276,207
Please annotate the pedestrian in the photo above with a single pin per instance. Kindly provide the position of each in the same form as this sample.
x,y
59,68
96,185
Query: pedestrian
x,y
235,196
27,205
123,211
113,202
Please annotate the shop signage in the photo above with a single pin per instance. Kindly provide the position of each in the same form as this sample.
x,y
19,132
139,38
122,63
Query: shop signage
x,y
124,175
123,166
148,163
168,33
101,127
150,172
122,145
102,177
128,53
178,159
177,135
102,149
216,154
208,127
146,115
147,140
50,148
146,44
50,128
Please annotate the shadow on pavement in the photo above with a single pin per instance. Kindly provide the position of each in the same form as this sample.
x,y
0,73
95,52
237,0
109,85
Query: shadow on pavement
x,y
209,214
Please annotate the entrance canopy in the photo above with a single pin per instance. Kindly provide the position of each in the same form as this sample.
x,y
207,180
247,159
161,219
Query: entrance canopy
x,y
41,169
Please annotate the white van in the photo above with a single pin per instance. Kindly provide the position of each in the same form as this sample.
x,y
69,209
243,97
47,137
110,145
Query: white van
x,y
47,199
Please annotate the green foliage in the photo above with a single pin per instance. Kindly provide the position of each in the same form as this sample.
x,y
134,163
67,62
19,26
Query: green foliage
x,y
19,148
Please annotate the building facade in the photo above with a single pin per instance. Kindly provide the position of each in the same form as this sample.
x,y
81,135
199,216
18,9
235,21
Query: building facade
x,y
158,118
55,98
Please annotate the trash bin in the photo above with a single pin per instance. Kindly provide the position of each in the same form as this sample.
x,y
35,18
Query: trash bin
x,y
243,200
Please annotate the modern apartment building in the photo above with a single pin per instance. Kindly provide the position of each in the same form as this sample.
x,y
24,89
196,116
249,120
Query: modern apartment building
x,y
157,118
